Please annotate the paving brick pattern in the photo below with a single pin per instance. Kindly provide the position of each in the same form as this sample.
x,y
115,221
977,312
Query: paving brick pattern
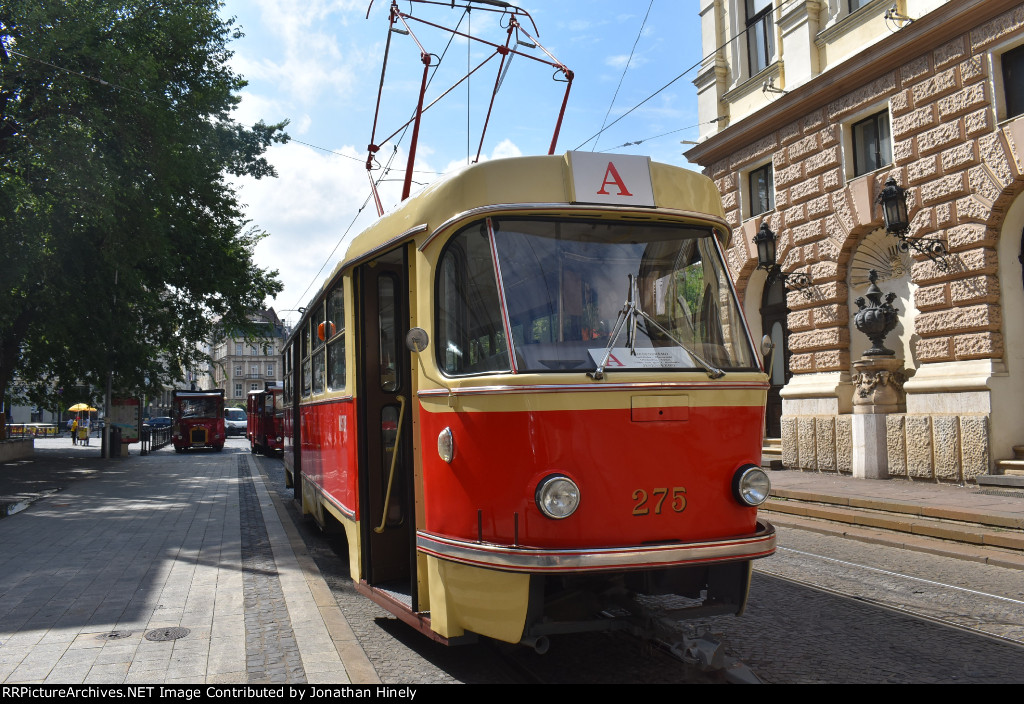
x,y
271,652
137,544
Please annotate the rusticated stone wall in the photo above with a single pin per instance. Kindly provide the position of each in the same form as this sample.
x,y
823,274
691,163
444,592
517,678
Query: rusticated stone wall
x,y
944,448
961,170
818,443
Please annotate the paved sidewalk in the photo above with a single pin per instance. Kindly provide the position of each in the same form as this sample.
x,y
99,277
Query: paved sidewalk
x,y
173,569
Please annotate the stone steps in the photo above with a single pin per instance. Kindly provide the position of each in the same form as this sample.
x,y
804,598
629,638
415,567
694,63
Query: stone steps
x,y
1007,473
979,532
771,453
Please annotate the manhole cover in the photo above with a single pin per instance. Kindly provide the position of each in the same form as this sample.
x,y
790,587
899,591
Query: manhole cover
x,y
114,635
167,634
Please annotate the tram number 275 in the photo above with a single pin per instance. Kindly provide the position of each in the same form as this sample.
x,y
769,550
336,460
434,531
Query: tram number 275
x,y
657,500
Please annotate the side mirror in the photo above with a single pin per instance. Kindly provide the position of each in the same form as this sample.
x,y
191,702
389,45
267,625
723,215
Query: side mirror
x,y
768,351
417,339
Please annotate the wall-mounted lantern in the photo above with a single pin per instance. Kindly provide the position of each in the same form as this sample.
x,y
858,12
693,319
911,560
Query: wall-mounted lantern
x,y
893,200
765,242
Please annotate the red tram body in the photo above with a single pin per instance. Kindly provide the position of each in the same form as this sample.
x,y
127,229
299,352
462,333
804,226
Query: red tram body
x,y
198,419
528,394
265,420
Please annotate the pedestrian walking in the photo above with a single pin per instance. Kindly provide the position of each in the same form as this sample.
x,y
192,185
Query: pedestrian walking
x,y
74,430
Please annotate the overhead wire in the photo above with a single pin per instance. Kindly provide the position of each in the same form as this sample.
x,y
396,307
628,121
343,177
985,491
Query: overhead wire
x,y
605,125
624,69
384,171
729,41
94,79
638,142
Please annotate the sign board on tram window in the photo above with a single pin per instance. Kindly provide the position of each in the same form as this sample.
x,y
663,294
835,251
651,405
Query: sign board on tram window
x,y
611,179
643,358
125,413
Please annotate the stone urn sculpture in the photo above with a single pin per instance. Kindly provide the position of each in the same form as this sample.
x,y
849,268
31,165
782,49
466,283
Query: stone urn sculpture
x,y
879,376
877,320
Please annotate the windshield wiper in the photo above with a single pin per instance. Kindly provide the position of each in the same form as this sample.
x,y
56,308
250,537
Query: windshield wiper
x,y
628,318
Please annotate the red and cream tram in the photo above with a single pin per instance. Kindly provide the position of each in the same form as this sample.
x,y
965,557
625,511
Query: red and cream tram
x,y
265,420
528,394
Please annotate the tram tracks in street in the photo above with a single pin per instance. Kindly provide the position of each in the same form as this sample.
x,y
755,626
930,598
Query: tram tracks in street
x,y
990,615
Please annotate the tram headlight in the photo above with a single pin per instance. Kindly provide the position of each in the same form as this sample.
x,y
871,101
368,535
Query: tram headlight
x,y
751,485
446,445
557,496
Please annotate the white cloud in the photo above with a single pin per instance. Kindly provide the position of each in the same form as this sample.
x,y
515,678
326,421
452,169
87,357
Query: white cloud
x,y
255,107
619,61
304,61
306,210
315,203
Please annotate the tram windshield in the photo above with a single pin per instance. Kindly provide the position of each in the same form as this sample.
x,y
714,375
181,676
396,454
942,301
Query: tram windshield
x,y
199,407
582,295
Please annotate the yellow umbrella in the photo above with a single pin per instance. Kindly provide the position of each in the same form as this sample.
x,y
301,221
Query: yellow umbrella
x,y
81,407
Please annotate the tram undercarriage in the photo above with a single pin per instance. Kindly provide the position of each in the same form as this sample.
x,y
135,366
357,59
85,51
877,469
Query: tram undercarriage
x,y
631,601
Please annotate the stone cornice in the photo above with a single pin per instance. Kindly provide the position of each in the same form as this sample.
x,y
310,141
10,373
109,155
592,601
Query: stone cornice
x,y
937,27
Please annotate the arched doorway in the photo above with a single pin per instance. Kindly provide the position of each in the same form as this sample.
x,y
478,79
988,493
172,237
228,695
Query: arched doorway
x,y
773,323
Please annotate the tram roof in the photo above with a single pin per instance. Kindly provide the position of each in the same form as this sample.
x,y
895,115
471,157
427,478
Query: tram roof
x,y
530,180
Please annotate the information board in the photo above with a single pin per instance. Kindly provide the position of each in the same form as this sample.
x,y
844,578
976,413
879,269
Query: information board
x,y
126,414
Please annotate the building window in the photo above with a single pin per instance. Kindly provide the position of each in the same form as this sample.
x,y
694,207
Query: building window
x,y
760,35
762,192
238,390
238,370
872,145
270,370
1013,81
254,387
857,4
239,349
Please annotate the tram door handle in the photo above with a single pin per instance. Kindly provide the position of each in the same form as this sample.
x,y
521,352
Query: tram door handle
x,y
394,462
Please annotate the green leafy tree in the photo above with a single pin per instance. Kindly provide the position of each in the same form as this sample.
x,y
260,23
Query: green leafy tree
x,y
122,240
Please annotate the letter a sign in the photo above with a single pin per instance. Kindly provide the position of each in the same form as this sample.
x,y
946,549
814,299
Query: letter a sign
x,y
614,179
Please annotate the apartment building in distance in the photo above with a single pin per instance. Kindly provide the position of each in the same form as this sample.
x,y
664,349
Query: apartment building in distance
x,y
808,109
239,366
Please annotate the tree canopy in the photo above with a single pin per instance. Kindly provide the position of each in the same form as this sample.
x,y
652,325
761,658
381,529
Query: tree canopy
x,y
122,239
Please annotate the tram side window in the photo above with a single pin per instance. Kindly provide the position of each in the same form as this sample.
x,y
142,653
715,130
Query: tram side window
x,y
336,342
387,327
287,374
307,366
319,335
470,336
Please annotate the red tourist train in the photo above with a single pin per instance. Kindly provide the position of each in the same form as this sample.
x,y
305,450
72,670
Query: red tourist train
x,y
198,419
265,420
529,395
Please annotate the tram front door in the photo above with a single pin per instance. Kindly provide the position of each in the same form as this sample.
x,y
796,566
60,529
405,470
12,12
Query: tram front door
x,y
385,409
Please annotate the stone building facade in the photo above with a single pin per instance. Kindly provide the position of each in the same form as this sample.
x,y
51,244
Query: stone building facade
x,y
239,366
946,90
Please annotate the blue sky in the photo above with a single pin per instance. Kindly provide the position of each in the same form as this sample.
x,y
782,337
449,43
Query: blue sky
x,y
317,64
